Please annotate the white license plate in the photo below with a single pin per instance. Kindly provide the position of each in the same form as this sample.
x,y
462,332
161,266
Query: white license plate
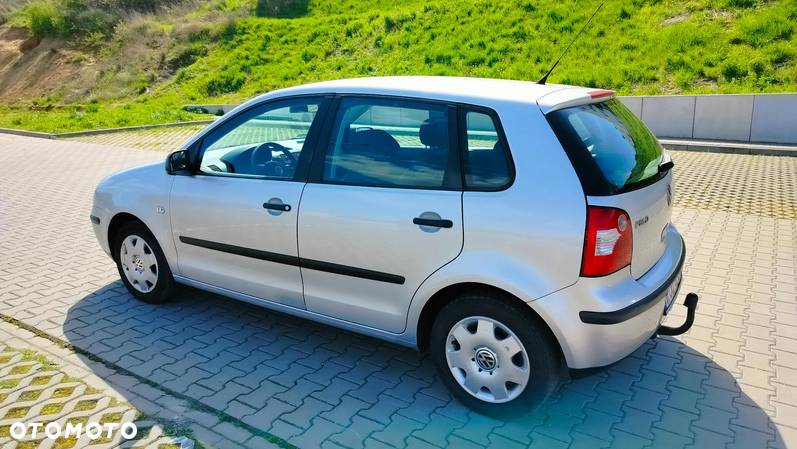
x,y
672,293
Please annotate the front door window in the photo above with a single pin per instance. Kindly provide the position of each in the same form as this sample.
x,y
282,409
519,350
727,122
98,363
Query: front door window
x,y
265,142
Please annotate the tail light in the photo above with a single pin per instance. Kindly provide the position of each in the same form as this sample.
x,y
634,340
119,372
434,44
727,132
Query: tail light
x,y
608,243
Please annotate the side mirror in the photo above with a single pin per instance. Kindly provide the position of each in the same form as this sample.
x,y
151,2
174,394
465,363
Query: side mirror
x,y
177,162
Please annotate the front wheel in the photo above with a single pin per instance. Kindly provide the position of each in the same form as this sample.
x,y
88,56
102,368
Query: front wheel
x,y
493,356
142,265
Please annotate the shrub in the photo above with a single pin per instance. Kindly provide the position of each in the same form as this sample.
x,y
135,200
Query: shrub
x,y
733,71
280,8
758,66
84,17
183,56
758,31
741,3
43,19
139,5
223,83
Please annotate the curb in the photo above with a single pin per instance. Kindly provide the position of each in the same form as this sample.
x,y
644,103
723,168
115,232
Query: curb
x,y
714,146
94,132
21,132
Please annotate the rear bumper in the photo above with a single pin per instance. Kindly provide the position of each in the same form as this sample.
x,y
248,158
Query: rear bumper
x,y
598,321
654,298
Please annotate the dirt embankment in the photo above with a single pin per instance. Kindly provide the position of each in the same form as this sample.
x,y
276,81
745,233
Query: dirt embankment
x,y
32,68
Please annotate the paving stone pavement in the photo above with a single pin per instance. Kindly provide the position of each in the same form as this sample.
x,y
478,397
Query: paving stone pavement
x,y
159,139
35,390
731,381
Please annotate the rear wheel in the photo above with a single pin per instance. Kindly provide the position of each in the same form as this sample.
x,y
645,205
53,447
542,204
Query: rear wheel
x,y
493,356
142,265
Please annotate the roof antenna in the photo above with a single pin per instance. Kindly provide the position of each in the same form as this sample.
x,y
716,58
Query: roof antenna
x,y
544,79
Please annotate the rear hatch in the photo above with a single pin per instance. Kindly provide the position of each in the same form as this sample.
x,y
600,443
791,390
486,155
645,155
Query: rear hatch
x,y
620,164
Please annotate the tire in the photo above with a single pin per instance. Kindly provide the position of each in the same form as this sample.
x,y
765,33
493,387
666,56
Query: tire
x,y
519,347
142,265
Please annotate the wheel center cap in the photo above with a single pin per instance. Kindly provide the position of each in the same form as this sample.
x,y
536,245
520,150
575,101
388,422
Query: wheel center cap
x,y
138,264
486,359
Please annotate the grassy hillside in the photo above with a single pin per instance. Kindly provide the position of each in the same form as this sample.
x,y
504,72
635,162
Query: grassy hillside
x,y
219,51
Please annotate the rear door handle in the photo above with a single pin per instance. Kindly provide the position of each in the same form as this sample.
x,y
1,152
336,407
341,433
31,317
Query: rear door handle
x,y
437,223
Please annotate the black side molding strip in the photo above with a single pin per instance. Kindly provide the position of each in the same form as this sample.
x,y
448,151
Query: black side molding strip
x,y
346,270
242,251
317,265
626,313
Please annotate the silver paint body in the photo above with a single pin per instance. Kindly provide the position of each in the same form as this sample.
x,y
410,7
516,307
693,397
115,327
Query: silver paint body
x,y
526,240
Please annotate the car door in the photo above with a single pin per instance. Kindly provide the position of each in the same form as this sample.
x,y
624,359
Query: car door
x,y
382,211
234,219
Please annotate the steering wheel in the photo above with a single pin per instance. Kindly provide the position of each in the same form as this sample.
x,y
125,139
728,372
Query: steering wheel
x,y
273,168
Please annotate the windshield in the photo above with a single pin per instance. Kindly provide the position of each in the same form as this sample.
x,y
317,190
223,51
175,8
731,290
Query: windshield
x,y
611,148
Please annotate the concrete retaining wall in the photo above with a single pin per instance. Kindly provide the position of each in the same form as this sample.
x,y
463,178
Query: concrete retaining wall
x,y
744,118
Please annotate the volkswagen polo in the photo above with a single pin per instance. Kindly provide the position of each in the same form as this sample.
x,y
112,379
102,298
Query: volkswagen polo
x,y
511,229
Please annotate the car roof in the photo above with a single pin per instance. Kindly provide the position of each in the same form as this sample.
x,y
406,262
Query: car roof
x,y
476,91
460,89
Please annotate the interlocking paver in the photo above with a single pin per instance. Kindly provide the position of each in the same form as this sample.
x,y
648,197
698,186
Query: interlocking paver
x,y
268,412
332,393
438,430
355,434
383,409
317,433
345,411
421,408
732,376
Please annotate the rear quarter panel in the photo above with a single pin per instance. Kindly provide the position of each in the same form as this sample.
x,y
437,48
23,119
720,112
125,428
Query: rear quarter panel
x,y
527,239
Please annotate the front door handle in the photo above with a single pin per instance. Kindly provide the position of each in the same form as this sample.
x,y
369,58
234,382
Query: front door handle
x,y
279,207
275,206
437,223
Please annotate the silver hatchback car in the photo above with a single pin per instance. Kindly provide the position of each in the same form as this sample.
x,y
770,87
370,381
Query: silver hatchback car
x,y
511,229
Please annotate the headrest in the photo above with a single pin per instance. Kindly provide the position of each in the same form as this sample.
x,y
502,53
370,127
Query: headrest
x,y
434,133
369,142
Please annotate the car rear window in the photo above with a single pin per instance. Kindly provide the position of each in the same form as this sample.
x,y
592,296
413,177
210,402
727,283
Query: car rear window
x,y
610,148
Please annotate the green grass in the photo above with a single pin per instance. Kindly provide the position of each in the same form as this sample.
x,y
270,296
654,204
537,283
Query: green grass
x,y
633,46
149,109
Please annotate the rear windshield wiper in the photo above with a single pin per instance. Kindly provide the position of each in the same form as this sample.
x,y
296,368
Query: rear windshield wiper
x,y
666,166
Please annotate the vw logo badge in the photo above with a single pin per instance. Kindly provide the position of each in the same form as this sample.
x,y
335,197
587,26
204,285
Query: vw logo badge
x,y
486,359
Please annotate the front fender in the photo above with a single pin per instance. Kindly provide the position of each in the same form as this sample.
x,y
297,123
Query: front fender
x,y
144,193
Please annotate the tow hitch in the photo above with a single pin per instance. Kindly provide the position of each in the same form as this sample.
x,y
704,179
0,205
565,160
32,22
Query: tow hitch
x,y
691,306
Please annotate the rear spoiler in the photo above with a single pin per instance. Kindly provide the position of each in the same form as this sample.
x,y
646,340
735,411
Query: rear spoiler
x,y
566,98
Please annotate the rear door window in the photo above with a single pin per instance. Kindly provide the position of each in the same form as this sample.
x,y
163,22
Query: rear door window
x,y
383,142
611,149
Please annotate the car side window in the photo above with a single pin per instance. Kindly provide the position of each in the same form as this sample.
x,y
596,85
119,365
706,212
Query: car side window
x,y
263,142
391,143
486,163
